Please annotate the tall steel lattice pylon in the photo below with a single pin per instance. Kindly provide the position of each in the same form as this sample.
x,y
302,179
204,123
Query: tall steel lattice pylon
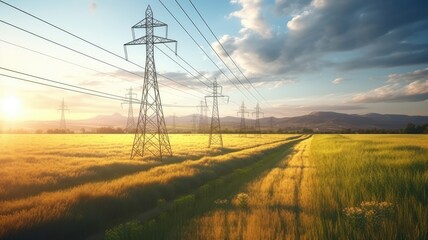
x,y
151,135
62,108
130,123
193,123
257,124
202,108
242,127
173,122
215,129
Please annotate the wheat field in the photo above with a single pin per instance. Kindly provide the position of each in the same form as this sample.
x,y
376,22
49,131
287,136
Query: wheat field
x,y
53,183
328,187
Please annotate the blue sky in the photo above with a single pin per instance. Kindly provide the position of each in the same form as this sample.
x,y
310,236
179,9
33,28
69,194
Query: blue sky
x,y
355,56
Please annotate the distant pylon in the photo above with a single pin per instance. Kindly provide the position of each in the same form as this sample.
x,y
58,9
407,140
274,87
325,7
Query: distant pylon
x,y
203,108
173,122
151,135
194,123
271,124
257,125
63,108
242,127
215,129
130,123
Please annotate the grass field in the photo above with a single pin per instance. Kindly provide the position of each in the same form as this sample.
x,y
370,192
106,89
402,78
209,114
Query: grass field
x,y
269,187
331,187
68,186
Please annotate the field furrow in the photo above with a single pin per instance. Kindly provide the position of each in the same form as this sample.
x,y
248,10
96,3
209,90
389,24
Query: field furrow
x,y
268,208
88,204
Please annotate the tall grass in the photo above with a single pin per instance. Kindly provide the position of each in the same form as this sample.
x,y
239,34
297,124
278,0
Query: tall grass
x,y
332,187
181,219
270,207
355,170
76,184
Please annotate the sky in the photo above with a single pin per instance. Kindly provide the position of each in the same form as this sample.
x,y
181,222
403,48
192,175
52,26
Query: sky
x,y
293,57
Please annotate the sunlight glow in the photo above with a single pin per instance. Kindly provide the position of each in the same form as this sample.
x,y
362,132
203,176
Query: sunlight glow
x,y
11,107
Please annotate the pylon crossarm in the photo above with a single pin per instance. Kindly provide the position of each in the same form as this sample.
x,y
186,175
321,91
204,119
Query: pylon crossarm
x,y
155,23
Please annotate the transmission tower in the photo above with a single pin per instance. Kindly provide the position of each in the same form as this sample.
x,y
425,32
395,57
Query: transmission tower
x,y
151,136
130,123
242,127
215,129
193,123
271,124
173,122
203,109
62,108
257,125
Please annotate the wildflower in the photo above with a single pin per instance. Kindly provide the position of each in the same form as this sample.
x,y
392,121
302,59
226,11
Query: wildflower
x,y
242,200
369,212
221,202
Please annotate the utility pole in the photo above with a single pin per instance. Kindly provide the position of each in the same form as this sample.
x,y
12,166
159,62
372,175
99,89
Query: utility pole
x,y
215,129
151,136
130,123
203,108
63,108
242,127
257,125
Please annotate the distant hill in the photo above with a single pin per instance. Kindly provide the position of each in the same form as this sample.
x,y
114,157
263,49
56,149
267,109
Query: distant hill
x,y
337,121
322,121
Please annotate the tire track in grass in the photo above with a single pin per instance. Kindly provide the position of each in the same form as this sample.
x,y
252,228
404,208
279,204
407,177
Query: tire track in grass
x,y
176,221
272,208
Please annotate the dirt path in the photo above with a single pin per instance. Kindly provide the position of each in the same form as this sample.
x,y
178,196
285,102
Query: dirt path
x,y
277,206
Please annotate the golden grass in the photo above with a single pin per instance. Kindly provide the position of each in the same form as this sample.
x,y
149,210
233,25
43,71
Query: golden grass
x,y
46,178
269,207
333,187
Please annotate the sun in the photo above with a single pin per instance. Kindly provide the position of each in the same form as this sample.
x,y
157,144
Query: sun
x,y
11,107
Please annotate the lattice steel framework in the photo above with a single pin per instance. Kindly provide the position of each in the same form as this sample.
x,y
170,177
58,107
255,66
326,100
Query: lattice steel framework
x,y
215,129
242,127
151,135
203,109
257,124
173,122
193,123
62,108
130,123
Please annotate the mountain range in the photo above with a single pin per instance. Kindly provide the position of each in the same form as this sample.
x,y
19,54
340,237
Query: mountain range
x,y
322,121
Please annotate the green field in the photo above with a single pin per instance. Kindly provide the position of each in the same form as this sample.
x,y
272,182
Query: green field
x,y
269,187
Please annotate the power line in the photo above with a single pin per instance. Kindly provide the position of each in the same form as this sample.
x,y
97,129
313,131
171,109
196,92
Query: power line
x,y
57,82
181,66
63,88
105,95
65,61
206,40
206,54
94,58
218,41
188,64
92,44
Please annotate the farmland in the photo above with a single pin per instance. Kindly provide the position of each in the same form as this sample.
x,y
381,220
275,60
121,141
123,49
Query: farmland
x,y
269,187
331,187
54,184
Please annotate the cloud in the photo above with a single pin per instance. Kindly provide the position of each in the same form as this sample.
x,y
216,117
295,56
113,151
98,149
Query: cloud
x,y
407,87
417,75
337,81
251,17
377,33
